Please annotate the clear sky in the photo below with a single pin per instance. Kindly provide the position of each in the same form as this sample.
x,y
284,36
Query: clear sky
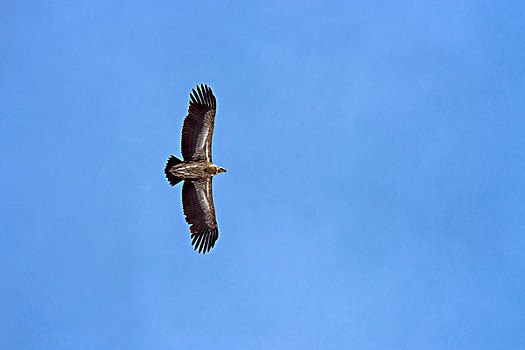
x,y
375,189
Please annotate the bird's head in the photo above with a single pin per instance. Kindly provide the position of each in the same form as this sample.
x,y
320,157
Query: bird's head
x,y
214,169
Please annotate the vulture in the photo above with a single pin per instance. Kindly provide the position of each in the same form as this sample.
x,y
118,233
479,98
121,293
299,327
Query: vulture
x,y
197,169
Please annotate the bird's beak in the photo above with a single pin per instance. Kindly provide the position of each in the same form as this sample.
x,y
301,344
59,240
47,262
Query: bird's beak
x,y
222,170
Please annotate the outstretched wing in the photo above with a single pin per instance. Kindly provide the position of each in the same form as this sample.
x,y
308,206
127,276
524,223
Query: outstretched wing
x,y
197,130
197,201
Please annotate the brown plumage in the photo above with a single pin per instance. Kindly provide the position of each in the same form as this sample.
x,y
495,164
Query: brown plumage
x,y
197,169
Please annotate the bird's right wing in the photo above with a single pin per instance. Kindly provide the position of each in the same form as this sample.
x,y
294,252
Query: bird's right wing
x,y
197,130
197,201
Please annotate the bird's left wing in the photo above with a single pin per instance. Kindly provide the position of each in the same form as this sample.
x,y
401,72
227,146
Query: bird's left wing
x,y
197,130
197,201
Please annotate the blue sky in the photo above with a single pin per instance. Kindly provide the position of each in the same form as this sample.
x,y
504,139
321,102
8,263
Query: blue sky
x,y
375,191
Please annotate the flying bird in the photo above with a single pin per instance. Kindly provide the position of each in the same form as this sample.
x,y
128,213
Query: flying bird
x,y
197,169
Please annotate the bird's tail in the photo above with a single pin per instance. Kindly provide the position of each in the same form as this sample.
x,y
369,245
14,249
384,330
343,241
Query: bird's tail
x,y
172,179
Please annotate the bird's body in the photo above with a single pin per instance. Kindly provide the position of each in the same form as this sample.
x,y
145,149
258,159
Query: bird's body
x,y
197,169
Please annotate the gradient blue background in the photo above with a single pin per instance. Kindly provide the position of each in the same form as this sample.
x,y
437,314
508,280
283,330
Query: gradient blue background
x,y
375,189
